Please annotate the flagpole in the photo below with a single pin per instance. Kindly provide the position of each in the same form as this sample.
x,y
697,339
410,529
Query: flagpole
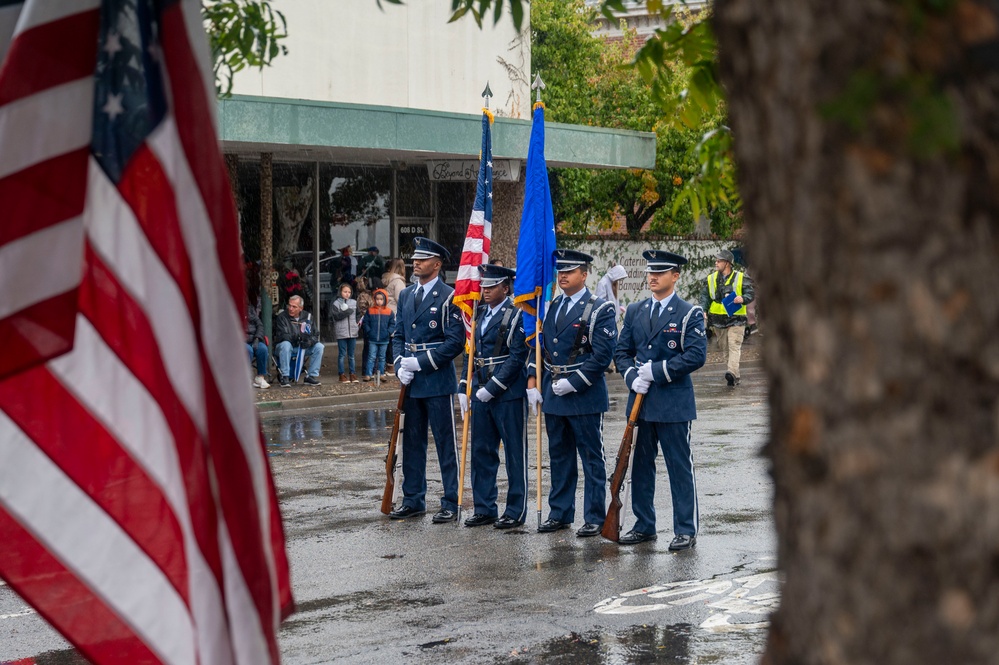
x,y
467,419
537,379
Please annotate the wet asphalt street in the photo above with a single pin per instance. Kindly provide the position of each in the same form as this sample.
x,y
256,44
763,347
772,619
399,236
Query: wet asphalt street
x,y
372,590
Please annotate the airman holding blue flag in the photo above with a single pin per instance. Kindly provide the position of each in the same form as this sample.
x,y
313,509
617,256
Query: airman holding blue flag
x,y
578,344
499,385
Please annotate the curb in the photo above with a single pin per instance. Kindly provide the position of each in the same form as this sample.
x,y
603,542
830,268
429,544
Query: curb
x,y
326,400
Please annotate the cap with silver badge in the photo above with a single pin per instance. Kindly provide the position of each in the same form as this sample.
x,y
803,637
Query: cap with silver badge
x,y
659,260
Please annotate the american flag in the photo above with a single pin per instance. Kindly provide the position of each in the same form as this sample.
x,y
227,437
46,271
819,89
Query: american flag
x,y
475,251
137,510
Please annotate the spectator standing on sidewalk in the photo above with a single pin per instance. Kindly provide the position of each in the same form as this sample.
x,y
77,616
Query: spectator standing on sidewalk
x,y
724,297
379,323
344,312
607,287
364,302
394,281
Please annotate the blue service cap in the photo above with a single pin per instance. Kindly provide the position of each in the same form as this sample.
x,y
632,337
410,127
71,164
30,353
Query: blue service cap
x,y
425,248
490,275
659,260
372,249
570,259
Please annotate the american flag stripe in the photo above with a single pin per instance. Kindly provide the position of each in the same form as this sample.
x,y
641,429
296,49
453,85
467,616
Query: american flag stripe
x,y
64,601
31,205
475,250
119,319
239,451
74,34
36,492
156,527
129,254
193,110
157,380
26,254
63,134
40,13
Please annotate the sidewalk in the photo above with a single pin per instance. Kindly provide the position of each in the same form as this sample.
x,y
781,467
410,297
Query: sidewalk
x,y
334,393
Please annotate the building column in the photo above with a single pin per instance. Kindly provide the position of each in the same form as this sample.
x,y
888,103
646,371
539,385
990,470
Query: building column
x,y
268,281
508,205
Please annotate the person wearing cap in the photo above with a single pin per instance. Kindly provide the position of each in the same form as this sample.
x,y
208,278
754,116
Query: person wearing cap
x,y
579,333
724,296
371,266
662,342
499,387
428,336
607,286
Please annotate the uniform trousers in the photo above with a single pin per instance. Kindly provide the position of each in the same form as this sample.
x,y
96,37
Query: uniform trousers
x,y
491,422
674,438
439,413
567,436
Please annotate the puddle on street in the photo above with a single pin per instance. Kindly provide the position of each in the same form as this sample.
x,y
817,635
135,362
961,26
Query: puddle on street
x,y
677,644
332,427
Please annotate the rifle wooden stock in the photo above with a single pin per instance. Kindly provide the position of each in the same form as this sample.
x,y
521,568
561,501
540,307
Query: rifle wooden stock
x,y
389,491
612,524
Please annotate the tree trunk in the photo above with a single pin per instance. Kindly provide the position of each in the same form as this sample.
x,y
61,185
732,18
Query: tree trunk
x,y
871,233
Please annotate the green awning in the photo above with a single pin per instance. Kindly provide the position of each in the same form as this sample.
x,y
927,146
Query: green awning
x,y
300,130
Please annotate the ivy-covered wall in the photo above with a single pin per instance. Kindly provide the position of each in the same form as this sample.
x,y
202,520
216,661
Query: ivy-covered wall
x,y
606,252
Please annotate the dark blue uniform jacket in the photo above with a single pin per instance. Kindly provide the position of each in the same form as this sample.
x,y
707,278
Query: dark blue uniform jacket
x,y
586,371
439,335
508,380
677,347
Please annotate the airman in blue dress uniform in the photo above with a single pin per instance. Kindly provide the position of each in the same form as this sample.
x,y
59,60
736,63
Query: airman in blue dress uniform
x,y
428,336
499,407
579,333
662,342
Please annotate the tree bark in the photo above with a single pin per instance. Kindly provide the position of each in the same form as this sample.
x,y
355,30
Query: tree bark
x,y
873,250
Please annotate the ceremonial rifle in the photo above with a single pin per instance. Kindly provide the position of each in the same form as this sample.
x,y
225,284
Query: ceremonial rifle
x,y
391,459
612,524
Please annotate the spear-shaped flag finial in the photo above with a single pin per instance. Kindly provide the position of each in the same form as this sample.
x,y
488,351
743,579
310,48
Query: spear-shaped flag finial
x,y
538,85
487,93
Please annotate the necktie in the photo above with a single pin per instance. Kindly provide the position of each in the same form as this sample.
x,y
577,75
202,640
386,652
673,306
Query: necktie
x,y
486,319
419,297
657,313
562,312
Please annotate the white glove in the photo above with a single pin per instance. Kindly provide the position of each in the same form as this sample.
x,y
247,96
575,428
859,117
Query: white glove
x,y
404,376
563,387
641,386
463,403
483,395
410,364
533,399
645,372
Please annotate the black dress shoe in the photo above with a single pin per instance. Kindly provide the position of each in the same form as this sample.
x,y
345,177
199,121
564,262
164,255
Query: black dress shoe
x,y
550,525
404,512
479,520
588,530
445,515
731,379
682,542
634,537
506,522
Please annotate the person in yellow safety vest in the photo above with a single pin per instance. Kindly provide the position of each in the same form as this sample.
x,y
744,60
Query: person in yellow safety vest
x,y
728,318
